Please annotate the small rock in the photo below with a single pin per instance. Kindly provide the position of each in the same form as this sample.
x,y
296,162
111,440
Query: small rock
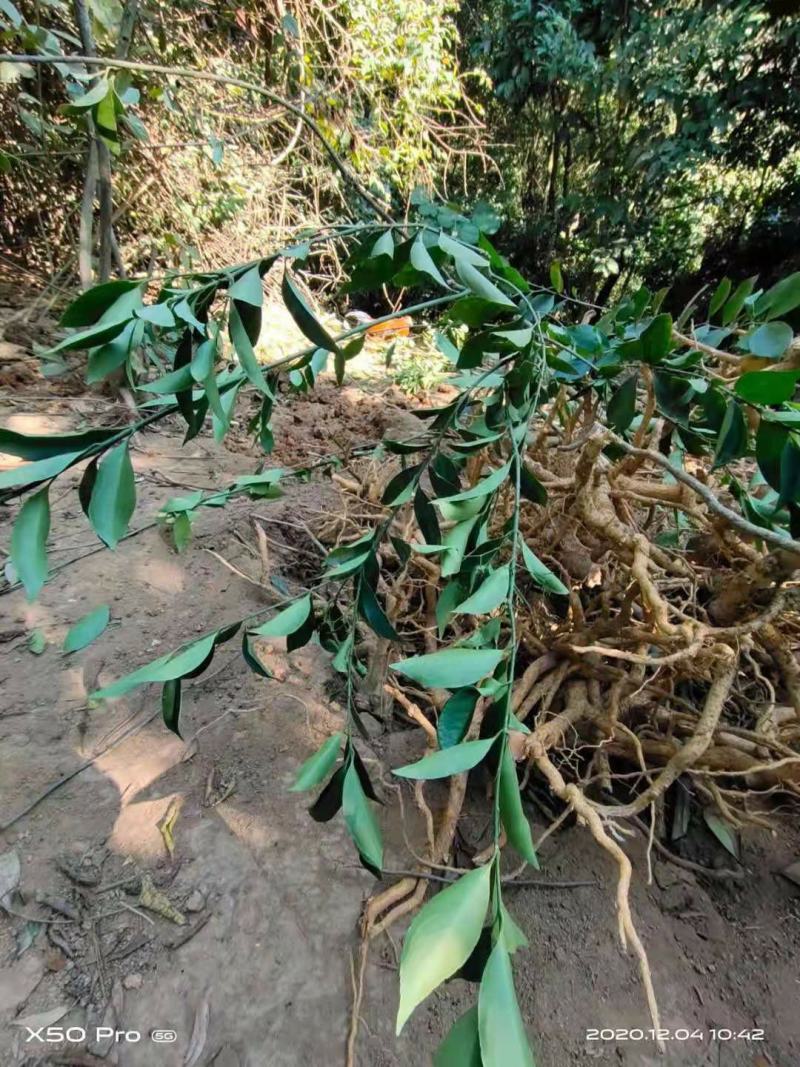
x,y
132,981
195,901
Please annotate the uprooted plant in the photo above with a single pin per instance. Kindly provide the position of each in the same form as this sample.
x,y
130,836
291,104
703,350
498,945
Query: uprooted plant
x,y
583,558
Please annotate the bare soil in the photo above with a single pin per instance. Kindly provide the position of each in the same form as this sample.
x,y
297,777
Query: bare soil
x,y
259,972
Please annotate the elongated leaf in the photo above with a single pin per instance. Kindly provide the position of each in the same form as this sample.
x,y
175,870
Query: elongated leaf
x,y
317,767
251,658
29,542
767,386
307,322
790,472
483,488
110,357
171,705
771,340
164,669
384,246
542,574
87,629
504,1042
401,488
516,825
460,252
89,306
481,285
243,347
735,304
622,405
286,621
456,716
720,296
373,614
360,820
489,594
656,340
450,668
330,799
420,259
113,496
98,334
462,1046
427,520
783,297
247,288
441,938
41,446
447,761
722,830
732,438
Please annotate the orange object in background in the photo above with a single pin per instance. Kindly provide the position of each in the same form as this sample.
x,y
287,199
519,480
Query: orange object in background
x,y
399,327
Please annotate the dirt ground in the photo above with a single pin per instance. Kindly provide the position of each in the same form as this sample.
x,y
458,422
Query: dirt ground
x,y
258,971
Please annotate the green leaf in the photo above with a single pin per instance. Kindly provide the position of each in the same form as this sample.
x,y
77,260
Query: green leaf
x,y
91,338
401,488
360,820
455,717
171,705
621,407
373,614
157,315
109,357
530,487
556,277
164,669
656,340
317,767
737,301
722,830
516,825
441,938
542,574
113,496
37,642
41,446
384,246
447,761
489,594
481,286
91,305
247,288
485,487
767,386
770,442
420,259
504,1042
771,340
304,317
720,296
87,629
784,296
462,1046
29,542
287,621
732,439
182,531
30,473
251,659
790,472
450,668
243,347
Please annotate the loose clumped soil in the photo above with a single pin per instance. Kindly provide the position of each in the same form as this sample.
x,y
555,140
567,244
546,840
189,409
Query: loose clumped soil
x,y
187,889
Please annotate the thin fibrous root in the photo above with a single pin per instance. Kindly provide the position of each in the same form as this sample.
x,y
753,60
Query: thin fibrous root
x,y
571,795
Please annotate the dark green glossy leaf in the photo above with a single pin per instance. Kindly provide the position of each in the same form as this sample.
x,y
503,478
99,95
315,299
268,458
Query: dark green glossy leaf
x,y
401,488
770,442
330,799
113,496
455,717
462,1046
767,386
735,304
656,340
622,405
29,542
783,297
530,487
306,321
790,472
373,614
243,346
91,305
171,705
732,439
721,294
427,519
